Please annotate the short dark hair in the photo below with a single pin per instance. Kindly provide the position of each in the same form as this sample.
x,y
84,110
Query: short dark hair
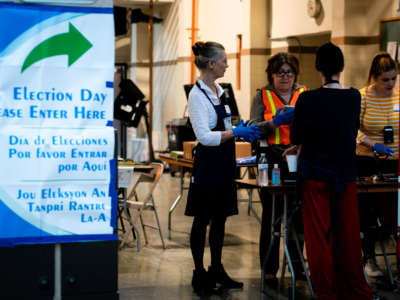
x,y
276,61
382,62
206,51
329,60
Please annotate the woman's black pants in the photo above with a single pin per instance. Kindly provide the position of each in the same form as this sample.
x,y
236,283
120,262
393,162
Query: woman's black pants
x,y
215,239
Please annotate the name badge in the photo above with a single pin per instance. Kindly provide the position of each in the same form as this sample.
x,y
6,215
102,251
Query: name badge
x,y
228,123
228,109
396,107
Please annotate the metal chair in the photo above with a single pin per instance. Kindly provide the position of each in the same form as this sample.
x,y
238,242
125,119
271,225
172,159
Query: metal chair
x,y
146,201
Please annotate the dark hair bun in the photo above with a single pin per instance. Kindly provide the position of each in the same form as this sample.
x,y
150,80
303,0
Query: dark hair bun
x,y
196,48
206,51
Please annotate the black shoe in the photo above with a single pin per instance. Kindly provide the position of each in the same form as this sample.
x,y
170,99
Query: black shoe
x,y
201,283
218,275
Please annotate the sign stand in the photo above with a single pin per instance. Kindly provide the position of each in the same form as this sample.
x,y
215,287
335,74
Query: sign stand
x,y
57,272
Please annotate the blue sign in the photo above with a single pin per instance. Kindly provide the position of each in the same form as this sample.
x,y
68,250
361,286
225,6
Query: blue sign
x,y
56,108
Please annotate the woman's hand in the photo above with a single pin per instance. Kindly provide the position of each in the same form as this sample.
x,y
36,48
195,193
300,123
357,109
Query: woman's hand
x,y
284,117
293,150
383,149
248,133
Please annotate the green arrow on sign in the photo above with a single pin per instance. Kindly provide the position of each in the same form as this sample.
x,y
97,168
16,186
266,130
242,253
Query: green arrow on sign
x,y
71,43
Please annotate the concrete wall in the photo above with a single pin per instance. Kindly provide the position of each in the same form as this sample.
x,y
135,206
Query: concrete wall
x,y
289,18
223,21
258,48
356,30
169,42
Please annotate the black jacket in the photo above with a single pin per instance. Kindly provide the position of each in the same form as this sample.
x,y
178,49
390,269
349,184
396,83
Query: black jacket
x,y
325,123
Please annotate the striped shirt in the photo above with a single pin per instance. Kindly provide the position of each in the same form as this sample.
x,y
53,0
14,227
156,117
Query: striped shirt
x,y
376,113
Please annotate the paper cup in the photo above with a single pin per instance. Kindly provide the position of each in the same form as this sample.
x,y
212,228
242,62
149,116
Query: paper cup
x,y
292,163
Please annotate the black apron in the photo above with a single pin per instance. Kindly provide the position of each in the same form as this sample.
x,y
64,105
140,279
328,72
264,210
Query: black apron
x,y
212,190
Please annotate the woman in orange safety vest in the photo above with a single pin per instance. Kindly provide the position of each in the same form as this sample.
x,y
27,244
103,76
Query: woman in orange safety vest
x,y
272,109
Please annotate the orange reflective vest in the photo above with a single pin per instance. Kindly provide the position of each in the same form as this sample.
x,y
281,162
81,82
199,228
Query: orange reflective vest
x,y
272,102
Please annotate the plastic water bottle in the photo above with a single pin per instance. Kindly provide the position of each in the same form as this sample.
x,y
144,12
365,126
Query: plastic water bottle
x,y
276,175
263,170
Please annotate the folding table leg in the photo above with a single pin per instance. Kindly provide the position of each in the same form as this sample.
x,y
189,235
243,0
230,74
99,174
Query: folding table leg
x,y
272,241
388,266
177,200
285,238
303,263
384,253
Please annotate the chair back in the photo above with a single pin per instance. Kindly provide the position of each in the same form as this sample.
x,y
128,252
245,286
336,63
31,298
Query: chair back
x,y
152,179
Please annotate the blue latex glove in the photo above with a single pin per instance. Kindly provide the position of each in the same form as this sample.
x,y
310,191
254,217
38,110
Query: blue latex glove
x,y
249,139
285,117
248,133
384,149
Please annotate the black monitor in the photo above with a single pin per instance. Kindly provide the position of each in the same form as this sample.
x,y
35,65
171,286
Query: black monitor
x,y
128,101
187,88
229,96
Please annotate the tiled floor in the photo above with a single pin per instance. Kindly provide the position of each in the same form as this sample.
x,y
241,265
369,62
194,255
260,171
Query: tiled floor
x,y
155,273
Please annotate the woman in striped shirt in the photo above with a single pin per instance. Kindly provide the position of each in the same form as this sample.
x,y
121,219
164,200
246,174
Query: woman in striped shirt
x,y
379,109
378,135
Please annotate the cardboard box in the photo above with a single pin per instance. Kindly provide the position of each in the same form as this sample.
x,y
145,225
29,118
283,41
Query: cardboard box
x,y
187,149
242,149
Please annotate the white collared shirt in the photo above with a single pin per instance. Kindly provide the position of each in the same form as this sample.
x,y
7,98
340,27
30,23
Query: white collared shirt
x,y
202,114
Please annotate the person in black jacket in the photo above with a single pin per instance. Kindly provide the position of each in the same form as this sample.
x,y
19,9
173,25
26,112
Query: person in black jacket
x,y
324,130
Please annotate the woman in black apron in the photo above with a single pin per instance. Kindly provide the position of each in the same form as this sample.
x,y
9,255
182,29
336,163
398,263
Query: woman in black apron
x,y
212,193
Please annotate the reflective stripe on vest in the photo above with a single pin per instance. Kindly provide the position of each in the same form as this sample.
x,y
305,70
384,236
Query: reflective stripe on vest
x,y
273,110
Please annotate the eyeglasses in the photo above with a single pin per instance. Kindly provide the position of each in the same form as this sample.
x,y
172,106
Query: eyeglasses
x,y
283,73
